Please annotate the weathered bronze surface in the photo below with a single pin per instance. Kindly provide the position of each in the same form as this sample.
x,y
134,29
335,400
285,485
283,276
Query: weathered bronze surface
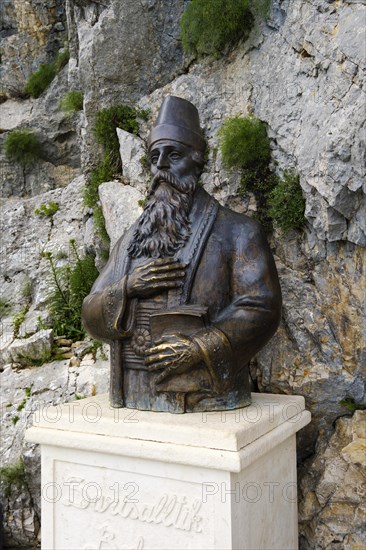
x,y
190,294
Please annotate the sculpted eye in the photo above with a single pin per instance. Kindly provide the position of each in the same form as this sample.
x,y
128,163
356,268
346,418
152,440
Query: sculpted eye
x,y
175,156
154,159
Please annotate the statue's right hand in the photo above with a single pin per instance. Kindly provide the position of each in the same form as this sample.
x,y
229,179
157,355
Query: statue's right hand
x,y
155,276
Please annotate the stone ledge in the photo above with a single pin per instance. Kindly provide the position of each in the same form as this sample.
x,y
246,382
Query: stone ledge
x,y
227,440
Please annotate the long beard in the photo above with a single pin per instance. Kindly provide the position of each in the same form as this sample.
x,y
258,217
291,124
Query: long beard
x,y
164,225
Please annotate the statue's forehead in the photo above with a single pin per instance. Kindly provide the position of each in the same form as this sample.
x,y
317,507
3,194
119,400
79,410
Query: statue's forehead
x,y
158,145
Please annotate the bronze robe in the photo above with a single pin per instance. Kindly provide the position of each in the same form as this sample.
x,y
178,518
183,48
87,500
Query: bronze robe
x,y
231,273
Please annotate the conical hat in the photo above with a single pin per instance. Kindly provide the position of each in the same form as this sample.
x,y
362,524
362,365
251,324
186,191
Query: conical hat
x,y
178,120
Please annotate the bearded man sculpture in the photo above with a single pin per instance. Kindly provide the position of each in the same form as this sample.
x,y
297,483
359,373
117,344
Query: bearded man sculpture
x,y
190,294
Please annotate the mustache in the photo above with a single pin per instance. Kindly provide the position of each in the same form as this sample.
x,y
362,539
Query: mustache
x,y
185,184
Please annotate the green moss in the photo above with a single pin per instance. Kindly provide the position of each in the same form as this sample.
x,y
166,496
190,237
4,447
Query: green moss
x,y
22,405
5,307
13,478
102,173
99,225
350,404
287,204
72,101
15,419
47,210
22,146
39,81
210,26
26,289
69,286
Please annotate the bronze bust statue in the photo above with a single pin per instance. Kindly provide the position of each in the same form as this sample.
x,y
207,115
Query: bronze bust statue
x,y
190,294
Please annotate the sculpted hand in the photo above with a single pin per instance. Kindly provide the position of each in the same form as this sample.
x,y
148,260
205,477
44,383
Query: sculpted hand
x,y
153,276
175,353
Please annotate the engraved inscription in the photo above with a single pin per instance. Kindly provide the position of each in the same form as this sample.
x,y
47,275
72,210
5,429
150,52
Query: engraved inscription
x,y
108,541
170,510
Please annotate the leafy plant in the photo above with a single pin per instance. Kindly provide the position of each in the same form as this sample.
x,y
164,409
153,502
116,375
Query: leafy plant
x,y
18,319
72,101
47,210
39,81
22,146
286,203
70,285
209,26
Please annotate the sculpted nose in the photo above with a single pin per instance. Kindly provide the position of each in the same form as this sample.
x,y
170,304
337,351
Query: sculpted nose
x,y
163,162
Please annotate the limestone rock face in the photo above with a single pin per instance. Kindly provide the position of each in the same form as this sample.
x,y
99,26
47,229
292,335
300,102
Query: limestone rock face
x,y
333,489
132,152
32,33
26,236
132,47
30,391
301,74
26,350
121,208
57,133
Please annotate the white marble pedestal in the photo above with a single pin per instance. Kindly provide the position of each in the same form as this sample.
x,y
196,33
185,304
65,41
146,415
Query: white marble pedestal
x,y
123,479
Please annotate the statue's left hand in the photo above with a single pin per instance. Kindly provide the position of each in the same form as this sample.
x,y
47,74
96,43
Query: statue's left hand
x,y
174,354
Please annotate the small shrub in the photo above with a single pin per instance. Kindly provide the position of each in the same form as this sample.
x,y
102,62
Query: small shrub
x,y
39,81
209,26
107,120
72,101
286,203
246,147
244,143
70,285
22,147
13,478
48,210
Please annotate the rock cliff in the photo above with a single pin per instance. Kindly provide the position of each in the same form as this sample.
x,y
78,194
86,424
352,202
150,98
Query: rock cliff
x,y
301,73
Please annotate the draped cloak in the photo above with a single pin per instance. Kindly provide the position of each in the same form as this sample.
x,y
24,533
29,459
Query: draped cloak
x,y
230,274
